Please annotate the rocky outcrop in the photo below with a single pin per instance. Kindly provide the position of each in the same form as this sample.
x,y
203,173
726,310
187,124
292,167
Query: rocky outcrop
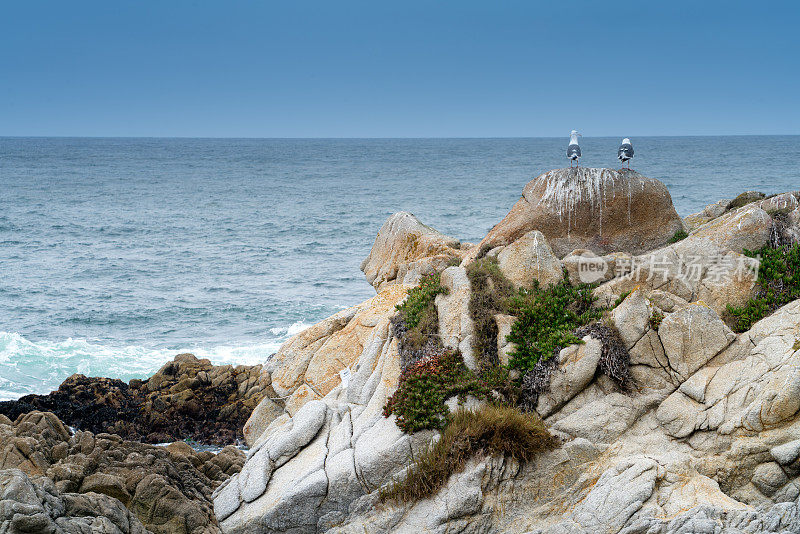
x,y
36,505
307,366
706,438
706,266
406,249
308,467
530,258
53,480
602,210
186,399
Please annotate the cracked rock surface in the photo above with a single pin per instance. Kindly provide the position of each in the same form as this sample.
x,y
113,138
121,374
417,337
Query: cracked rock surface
x,y
707,439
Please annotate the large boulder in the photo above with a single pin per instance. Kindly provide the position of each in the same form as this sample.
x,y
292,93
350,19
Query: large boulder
x,y
405,249
602,210
530,259
310,465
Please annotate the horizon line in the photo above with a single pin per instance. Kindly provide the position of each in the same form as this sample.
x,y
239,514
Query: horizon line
x,y
374,138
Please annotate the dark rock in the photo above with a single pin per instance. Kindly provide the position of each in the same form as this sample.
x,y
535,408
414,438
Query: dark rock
x,y
186,399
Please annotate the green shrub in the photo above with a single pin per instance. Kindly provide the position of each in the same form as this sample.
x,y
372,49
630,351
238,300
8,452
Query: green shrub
x,y
546,319
678,236
418,306
490,293
778,284
745,198
490,430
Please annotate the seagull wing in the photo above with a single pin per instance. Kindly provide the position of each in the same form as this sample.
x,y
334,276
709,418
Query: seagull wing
x,y
625,151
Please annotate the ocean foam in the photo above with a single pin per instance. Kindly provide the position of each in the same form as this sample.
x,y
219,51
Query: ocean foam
x,y
40,366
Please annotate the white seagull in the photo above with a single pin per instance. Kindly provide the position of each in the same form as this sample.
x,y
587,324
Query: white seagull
x,y
573,149
625,152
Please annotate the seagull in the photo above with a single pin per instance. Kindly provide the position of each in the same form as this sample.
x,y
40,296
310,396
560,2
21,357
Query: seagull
x,y
625,152
573,150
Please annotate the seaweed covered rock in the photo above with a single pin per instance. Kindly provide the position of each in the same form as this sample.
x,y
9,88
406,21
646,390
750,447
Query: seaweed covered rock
x,y
51,476
602,210
187,398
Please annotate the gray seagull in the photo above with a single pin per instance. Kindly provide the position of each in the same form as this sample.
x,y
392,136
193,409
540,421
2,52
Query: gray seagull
x,y
625,152
573,149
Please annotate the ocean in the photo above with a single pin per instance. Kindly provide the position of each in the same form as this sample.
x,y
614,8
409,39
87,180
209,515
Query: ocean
x,y
116,254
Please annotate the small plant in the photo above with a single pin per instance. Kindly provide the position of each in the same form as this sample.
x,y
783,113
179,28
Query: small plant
x,y
416,326
796,345
678,236
778,284
417,306
454,261
620,298
546,319
490,430
424,387
744,199
655,319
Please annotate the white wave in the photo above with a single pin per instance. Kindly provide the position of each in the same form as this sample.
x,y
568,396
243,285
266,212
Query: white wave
x,y
40,366
294,328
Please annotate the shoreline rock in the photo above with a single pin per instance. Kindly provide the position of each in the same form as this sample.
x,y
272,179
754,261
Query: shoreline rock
x,y
706,438
54,480
187,398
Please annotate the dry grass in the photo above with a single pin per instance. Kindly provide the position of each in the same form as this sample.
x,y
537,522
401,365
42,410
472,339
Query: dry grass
x,y
491,291
490,430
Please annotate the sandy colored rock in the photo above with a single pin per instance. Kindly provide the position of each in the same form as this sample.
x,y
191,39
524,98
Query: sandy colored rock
x,y
602,210
743,228
577,365
530,258
504,347
456,327
405,249
309,363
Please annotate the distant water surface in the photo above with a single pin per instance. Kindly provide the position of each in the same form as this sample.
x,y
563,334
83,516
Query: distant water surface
x,y
115,254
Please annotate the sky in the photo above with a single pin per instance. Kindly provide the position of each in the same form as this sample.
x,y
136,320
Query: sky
x,y
398,69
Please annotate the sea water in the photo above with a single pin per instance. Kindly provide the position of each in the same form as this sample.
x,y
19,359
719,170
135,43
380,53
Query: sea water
x,y
117,254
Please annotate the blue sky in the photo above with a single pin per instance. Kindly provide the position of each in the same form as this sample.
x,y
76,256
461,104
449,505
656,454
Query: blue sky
x,y
398,69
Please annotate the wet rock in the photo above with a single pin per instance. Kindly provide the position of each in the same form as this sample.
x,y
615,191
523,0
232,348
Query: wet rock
x,y
187,398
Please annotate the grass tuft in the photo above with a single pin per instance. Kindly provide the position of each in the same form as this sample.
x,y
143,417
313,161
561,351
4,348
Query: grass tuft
x,y
491,291
655,319
490,430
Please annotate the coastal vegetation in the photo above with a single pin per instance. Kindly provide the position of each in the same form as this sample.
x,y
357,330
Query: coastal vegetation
x,y
491,294
546,320
490,430
680,235
504,423
778,283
